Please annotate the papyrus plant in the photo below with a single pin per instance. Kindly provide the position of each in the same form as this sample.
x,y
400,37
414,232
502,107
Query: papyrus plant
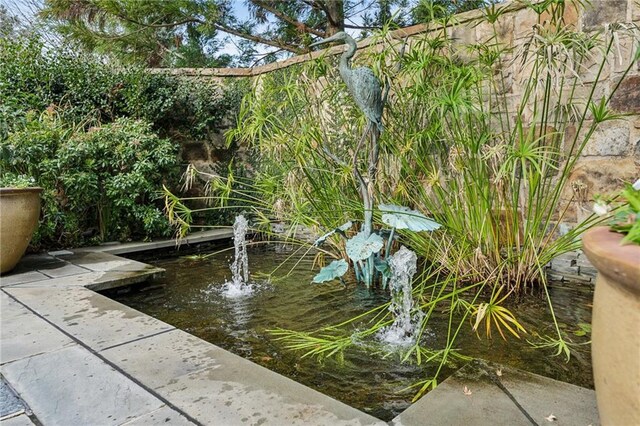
x,y
481,137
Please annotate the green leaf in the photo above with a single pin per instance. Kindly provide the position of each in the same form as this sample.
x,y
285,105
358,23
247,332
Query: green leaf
x,y
584,327
334,270
382,266
360,247
340,229
400,217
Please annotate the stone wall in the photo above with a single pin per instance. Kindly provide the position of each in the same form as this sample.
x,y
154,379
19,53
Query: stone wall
x,y
613,153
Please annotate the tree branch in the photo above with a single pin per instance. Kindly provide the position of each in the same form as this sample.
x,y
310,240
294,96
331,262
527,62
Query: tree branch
x,y
317,5
361,27
257,39
286,18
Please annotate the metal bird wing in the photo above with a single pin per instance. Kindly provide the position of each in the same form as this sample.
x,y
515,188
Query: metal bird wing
x,y
367,92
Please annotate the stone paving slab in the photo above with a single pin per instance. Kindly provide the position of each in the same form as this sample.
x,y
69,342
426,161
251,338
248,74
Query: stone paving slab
x,y
204,236
162,416
103,262
71,386
93,319
244,395
540,396
109,271
97,271
511,399
64,270
24,334
21,278
33,262
81,280
218,387
134,247
174,354
115,279
21,420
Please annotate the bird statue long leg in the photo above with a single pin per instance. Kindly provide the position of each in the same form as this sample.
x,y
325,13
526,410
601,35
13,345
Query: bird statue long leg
x,y
366,189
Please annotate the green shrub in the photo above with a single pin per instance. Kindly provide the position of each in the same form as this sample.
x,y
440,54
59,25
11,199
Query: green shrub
x,y
80,87
12,180
100,184
89,133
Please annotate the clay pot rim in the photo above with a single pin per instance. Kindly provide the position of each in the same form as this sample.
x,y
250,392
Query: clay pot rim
x,y
12,191
619,263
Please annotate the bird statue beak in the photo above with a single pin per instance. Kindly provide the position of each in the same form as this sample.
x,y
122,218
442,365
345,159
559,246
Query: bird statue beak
x,y
326,40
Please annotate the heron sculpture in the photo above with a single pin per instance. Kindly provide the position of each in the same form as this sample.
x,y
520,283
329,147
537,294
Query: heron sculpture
x,y
366,90
362,83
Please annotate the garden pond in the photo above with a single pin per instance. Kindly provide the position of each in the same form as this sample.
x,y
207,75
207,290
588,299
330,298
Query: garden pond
x,y
190,297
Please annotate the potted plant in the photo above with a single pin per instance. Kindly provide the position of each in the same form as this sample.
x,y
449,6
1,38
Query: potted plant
x,y
615,252
19,213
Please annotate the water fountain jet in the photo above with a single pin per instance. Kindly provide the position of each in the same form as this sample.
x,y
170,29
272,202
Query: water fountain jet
x,y
239,284
402,331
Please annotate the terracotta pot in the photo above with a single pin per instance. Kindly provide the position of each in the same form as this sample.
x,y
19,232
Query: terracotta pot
x,y
19,213
615,326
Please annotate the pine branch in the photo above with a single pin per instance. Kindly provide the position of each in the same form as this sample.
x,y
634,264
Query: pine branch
x,y
257,39
286,18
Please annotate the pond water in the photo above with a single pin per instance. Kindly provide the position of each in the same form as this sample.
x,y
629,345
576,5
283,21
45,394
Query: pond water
x,y
189,297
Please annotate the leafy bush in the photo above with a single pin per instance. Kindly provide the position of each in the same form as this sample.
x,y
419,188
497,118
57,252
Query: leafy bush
x,y
98,183
12,180
81,87
90,134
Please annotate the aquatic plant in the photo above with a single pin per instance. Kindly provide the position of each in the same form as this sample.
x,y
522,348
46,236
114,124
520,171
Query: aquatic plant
x,y
491,166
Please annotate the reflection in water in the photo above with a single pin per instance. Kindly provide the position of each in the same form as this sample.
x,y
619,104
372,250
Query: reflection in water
x,y
190,299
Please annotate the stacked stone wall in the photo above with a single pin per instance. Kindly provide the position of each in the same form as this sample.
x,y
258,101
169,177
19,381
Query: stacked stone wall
x,y
612,156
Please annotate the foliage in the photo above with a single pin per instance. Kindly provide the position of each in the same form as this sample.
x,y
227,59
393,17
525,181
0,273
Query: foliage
x,y
81,87
101,182
188,33
627,219
430,10
491,165
52,98
12,180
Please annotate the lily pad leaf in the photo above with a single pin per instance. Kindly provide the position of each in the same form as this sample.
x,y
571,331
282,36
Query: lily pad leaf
x,y
340,229
382,266
334,270
360,247
400,217
344,227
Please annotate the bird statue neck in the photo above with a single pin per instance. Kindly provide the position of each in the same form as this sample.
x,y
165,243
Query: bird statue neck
x,y
345,59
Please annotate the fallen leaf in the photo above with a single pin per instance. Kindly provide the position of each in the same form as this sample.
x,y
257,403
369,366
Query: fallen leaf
x,y
499,372
466,391
551,418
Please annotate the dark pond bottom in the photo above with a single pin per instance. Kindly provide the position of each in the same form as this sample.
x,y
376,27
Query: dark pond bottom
x,y
189,297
